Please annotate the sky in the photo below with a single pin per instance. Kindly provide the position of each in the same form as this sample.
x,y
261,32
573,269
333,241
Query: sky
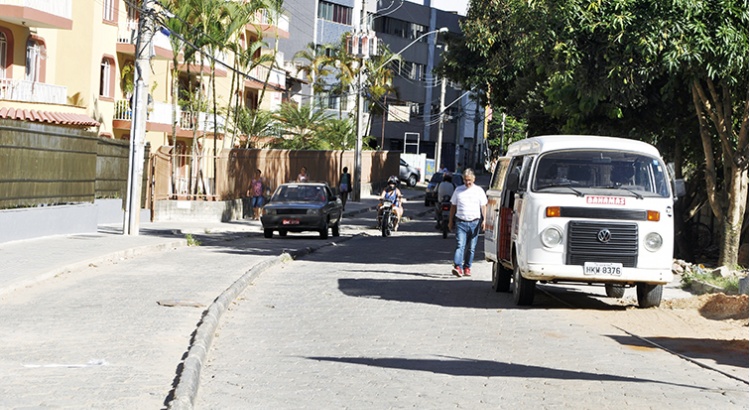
x,y
461,6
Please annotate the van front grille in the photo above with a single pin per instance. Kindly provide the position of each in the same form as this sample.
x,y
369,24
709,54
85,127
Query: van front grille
x,y
607,242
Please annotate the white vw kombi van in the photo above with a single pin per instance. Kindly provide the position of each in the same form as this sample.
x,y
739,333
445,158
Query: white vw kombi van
x,y
581,209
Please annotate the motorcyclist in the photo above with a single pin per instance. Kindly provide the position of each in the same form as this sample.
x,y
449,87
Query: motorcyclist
x,y
392,193
445,188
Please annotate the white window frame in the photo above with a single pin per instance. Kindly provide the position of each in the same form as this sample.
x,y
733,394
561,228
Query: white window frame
x,y
108,10
33,60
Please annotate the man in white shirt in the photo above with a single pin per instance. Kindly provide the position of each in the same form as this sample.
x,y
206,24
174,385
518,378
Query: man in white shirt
x,y
468,207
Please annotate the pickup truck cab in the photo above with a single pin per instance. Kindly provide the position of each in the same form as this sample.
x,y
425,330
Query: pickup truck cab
x,y
581,209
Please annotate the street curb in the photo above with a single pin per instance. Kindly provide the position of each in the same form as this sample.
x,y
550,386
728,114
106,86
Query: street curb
x,y
78,266
190,376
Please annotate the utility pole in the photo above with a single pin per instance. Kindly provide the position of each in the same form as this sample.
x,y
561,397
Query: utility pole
x,y
439,146
358,146
441,125
361,49
143,49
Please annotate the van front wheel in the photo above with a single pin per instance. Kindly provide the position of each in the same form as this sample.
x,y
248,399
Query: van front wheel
x,y
523,289
648,295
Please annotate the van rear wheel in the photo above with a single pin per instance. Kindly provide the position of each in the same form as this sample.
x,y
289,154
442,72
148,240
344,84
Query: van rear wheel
x,y
613,290
500,277
523,289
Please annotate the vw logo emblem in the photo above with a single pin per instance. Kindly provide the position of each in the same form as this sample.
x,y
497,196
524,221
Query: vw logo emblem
x,y
604,235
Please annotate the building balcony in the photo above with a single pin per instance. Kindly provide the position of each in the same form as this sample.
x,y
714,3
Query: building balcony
x,y
269,24
159,118
127,36
32,91
277,78
55,14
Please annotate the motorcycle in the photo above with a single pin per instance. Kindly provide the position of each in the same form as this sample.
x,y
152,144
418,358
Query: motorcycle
x,y
443,215
387,217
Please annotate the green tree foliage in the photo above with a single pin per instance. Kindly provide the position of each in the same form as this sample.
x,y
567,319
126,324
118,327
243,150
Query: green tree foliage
x,y
257,125
299,127
674,73
338,133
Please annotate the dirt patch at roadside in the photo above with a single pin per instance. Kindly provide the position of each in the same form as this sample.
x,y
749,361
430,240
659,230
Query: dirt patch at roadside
x,y
713,306
711,328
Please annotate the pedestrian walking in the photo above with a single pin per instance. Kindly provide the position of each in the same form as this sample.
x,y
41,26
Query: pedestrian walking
x,y
255,191
345,186
468,207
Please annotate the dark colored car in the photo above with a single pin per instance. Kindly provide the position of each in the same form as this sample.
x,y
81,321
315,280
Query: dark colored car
x,y
409,173
299,207
430,193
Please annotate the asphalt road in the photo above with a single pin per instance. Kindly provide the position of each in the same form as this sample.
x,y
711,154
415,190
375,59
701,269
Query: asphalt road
x,y
376,323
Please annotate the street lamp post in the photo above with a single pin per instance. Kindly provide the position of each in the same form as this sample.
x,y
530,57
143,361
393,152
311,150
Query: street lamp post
x,y
360,90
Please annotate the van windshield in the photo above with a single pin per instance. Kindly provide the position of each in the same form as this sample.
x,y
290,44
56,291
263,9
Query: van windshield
x,y
583,171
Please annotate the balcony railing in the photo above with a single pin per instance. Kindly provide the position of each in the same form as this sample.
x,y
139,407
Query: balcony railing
x,y
278,77
161,113
203,121
32,91
268,18
129,35
59,8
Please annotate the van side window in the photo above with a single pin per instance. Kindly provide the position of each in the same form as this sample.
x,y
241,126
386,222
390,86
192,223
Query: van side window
x,y
498,177
525,172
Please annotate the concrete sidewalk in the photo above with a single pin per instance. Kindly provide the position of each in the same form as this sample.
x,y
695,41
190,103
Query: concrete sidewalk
x,y
30,261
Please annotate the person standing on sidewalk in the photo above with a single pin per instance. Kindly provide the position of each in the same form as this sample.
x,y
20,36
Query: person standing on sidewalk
x,y
468,207
345,186
302,177
255,191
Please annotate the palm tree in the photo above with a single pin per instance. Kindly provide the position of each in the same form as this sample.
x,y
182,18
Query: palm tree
x,y
179,29
345,65
316,69
299,127
255,124
379,82
244,62
338,133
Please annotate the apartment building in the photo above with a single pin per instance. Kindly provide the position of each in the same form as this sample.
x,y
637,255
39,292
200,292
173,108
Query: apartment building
x,y
417,129
321,23
414,123
74,61
33,86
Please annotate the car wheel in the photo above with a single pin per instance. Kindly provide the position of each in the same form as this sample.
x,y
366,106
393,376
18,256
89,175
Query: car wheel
x,y
613,290
324,231
282,232
268,233
648,295
523,289
335,229
412,180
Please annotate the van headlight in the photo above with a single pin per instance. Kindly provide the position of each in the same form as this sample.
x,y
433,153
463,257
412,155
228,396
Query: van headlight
x,y
653,242
551,236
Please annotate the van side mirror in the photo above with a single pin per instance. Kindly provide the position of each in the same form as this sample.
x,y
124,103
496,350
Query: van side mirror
x,y
679,187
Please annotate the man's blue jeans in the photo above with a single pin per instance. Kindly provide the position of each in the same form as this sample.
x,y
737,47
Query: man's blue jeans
x,y
466,231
